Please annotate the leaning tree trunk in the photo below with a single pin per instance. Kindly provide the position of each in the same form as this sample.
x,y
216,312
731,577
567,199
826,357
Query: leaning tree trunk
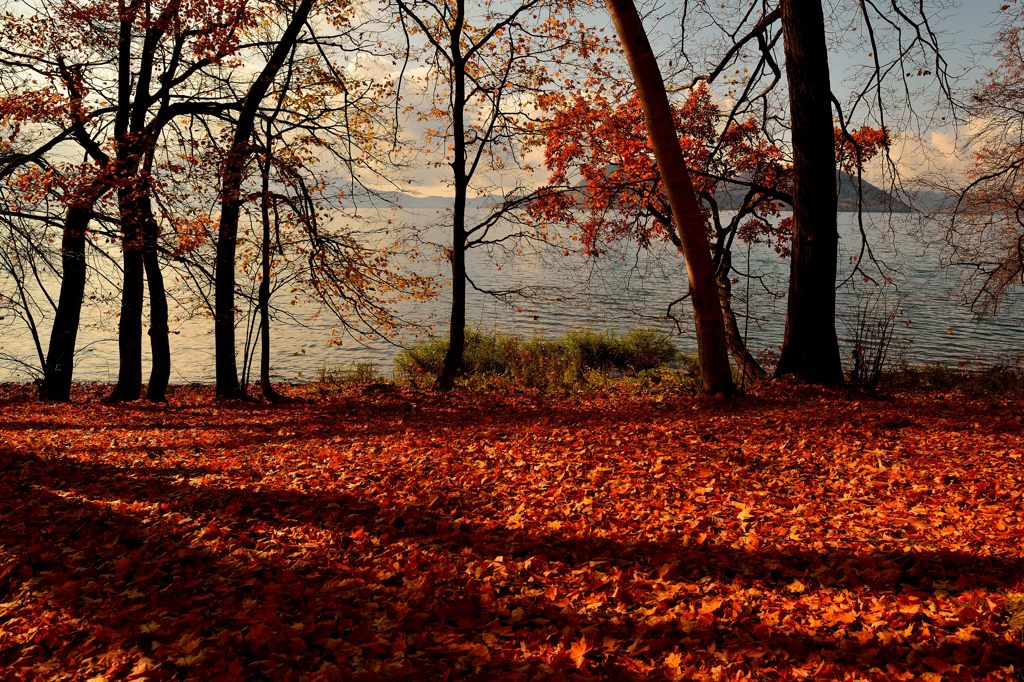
x,y
231,204
716,375
60,355
810,350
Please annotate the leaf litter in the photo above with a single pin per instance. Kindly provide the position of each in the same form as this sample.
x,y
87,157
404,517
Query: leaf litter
x,y
793,534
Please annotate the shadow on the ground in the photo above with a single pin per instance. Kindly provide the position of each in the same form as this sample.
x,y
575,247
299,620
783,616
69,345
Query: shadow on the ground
x,y
237,567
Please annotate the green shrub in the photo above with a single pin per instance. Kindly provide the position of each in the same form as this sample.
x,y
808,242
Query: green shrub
x,y
353,374
977,379
419,363
649,349
565,362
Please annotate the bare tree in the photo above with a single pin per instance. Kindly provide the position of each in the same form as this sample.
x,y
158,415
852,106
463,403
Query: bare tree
x,y
489,62
985,228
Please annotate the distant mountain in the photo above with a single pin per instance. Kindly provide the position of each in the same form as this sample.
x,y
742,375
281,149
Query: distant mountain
x,y
729,196
931,201
873,199
393,199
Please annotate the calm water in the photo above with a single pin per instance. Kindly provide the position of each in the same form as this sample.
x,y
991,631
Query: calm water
x,y
619,291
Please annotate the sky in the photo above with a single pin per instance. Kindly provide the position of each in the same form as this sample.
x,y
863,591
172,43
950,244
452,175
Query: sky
x,y
922,145
965,30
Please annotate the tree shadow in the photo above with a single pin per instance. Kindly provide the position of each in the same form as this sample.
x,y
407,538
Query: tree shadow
x,y
274,581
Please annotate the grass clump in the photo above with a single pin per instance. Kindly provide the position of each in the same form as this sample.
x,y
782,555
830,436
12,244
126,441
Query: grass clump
x,y
975,380
579,358
352,374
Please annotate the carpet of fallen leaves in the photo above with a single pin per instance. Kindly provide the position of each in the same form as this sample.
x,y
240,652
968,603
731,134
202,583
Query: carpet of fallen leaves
x,y
796,533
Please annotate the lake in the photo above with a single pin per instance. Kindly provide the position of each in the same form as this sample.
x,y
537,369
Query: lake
x,y
618,291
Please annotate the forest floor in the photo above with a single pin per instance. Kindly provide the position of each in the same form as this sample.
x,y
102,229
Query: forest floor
x,y
793,533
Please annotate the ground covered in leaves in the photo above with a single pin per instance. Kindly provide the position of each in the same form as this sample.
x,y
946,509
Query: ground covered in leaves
x,y
791,534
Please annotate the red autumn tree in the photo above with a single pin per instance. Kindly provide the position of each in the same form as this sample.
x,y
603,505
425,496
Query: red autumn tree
x,y
605,183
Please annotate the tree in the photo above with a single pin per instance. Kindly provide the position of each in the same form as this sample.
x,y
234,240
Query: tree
x,y
319,114
810,349
604,181
127,71
28,262
984,230
899,42
489,63
144,89
716,376
231,201
43,57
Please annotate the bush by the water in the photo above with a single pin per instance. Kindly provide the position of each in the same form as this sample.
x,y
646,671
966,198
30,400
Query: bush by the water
x,y
979,379
570,360
355,374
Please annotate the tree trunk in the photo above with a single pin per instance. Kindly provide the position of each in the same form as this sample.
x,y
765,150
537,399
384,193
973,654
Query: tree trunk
x,y
810,350
457,322
752,370
60,355
129,327
264,295
231,204
716,375
452,364
159,330
224,299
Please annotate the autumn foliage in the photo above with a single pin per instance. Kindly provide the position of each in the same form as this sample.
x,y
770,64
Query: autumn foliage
x,y
798,535
603,179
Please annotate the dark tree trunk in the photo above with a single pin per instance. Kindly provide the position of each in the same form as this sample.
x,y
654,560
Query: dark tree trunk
x,y
224,299
60,355
129,327
810,350
159,330
716,375
264,295
231,204
452,364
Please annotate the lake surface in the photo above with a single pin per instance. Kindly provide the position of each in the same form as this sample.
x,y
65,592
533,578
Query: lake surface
x,y
619,291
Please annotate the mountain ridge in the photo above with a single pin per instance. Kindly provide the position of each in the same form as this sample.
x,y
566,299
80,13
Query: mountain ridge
x,y
873,199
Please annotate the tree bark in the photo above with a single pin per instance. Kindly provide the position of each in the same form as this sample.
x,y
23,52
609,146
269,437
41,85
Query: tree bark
x,y
60,355
129,326
810,350
716,375
159,330
452,364
231,204
264,295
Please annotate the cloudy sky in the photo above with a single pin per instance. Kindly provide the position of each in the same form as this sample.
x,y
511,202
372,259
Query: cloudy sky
x,y
923,144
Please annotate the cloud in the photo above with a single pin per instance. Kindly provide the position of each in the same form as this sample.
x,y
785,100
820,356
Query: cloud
x,y
940,152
